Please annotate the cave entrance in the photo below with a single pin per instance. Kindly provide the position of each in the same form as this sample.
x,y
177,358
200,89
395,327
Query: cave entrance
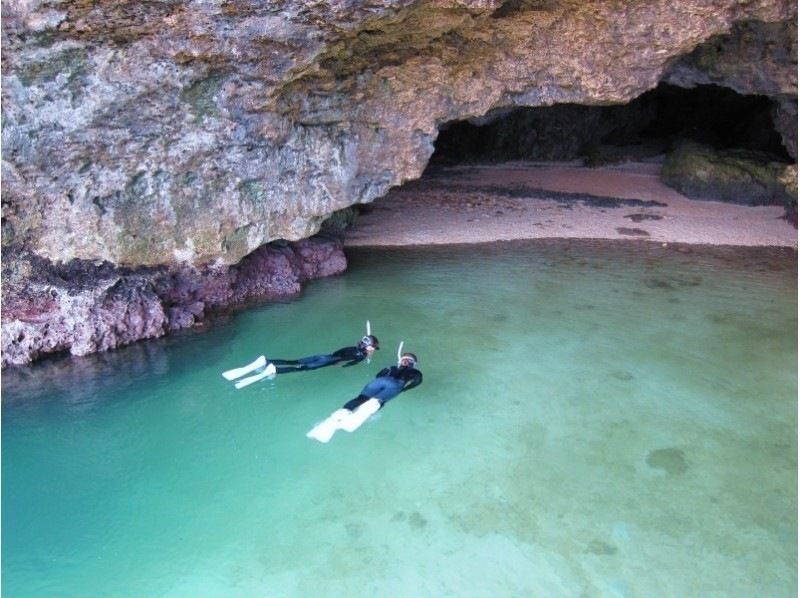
x,y
518,173
644,129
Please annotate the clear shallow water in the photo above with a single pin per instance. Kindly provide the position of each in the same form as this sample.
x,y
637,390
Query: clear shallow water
x,y
596,419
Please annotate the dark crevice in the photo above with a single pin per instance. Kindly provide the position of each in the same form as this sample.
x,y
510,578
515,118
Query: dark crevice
x,y
650,125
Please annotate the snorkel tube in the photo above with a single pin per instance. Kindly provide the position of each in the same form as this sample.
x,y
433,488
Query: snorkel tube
x,y
368,338
399,353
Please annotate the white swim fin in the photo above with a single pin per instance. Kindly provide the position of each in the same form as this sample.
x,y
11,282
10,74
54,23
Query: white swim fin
x,y
325,430
238,372
270,370
344,419
360,415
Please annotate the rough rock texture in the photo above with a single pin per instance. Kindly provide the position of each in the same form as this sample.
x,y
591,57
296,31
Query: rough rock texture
x,y
150,133
165,141
85,307
789,181
701,172
756,58
784,115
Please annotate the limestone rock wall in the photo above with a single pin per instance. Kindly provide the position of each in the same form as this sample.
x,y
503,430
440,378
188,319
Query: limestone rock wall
x,y
754,58
86,307
193,132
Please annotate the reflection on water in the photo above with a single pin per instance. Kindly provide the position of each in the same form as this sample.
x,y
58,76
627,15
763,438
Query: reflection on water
x,y
596,419
84,381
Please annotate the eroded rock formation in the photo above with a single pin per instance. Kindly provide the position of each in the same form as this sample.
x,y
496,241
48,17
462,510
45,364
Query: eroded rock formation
x,y
754,58
85,307
188,133
193,132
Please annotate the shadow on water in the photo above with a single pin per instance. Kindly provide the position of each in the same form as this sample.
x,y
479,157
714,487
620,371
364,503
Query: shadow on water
x,y
84,382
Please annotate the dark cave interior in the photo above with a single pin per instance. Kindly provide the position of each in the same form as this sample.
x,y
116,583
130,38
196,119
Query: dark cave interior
x,y
645,128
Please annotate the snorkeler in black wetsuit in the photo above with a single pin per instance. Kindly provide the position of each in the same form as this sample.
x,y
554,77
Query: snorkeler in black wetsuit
x,y
389,383
351,355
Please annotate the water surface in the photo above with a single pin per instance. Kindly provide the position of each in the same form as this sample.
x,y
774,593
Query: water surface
x,y
599,419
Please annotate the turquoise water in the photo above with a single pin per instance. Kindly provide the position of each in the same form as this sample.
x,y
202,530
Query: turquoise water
x,y
595,420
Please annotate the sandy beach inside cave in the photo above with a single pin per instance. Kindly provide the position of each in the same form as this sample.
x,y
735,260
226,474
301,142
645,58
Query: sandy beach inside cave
x,y
525,200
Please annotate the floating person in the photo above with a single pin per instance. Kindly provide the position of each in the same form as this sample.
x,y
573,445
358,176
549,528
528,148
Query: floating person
x,y
389,383
347,356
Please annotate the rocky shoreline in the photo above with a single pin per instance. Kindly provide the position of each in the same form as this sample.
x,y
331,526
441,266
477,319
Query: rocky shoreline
x,y
86,307
144,141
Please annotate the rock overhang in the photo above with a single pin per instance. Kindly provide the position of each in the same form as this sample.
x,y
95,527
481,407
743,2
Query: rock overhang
x,y
185,132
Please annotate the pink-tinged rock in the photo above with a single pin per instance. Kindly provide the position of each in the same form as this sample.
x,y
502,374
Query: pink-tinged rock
x,y
85,308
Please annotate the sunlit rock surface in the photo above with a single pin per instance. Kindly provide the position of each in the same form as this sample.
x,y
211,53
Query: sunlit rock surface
x,y
147,133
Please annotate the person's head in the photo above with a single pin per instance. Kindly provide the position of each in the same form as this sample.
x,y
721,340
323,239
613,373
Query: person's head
x,y
369,342
408,360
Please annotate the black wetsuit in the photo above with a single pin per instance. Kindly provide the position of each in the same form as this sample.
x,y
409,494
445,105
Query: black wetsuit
x,y
389,383
351,355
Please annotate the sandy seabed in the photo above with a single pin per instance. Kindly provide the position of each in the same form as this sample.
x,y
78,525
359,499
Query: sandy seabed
x,y
527,200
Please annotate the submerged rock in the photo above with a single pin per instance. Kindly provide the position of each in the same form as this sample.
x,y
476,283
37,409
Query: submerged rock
x,y
669,460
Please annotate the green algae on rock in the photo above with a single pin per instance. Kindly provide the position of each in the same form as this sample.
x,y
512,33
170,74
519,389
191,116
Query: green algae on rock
x,y
737,176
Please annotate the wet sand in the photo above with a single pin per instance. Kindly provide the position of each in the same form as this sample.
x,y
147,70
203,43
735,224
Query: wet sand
x,y
477,204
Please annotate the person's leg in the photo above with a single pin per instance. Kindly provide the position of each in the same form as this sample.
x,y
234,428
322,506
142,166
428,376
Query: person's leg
x,y
287,369
388,390
316,361
382,389
286,366
354,404
375,387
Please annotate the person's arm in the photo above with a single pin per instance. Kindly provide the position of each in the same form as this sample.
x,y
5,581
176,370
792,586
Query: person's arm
x,y
348,354
415,381
383,372
357,357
